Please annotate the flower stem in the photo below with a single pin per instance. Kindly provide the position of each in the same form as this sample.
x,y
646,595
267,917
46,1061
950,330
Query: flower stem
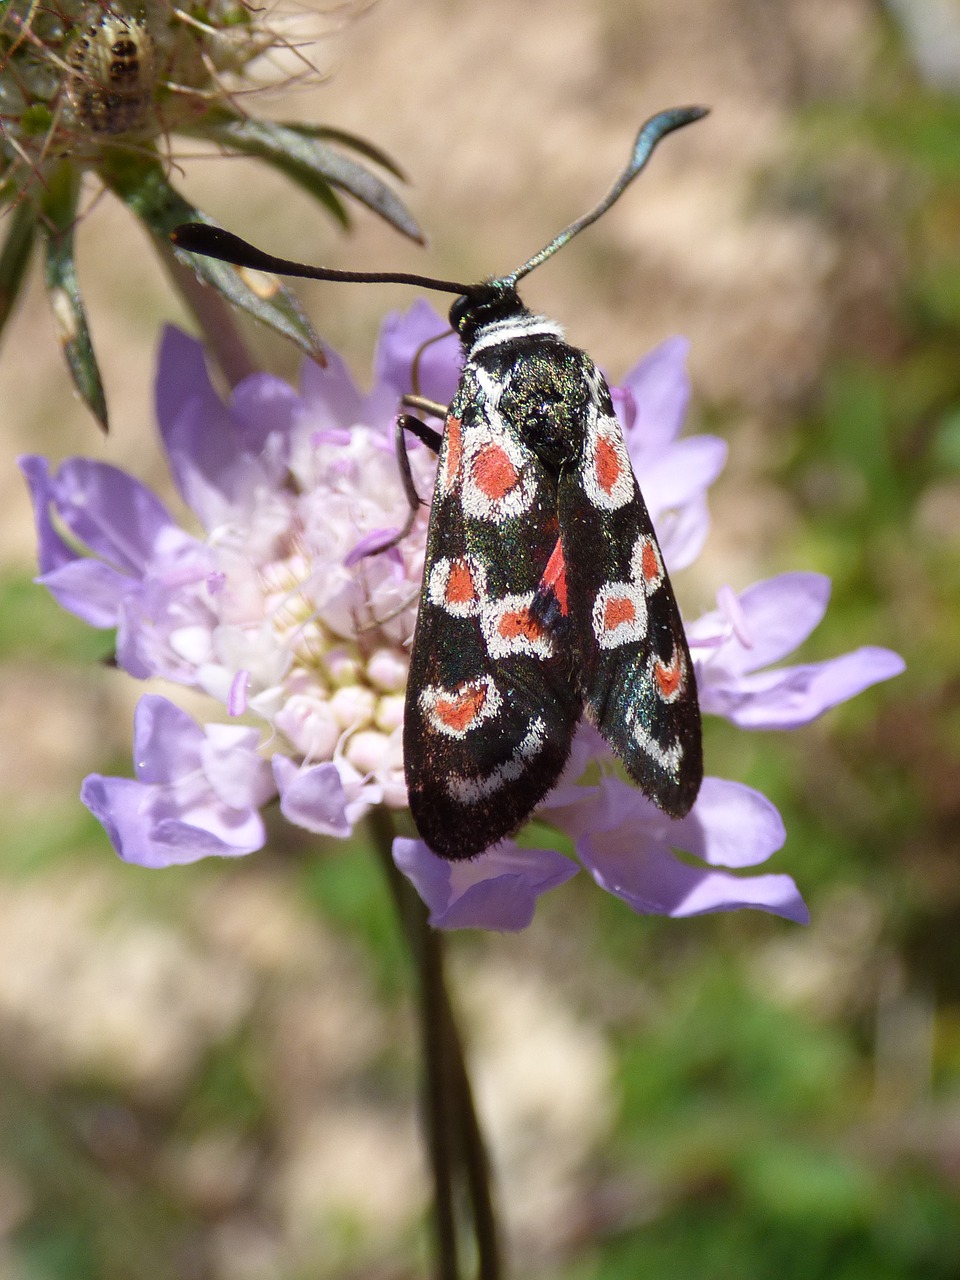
x,y
454,1138
216,319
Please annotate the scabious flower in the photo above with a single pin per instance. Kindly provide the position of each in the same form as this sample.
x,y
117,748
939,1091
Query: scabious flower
x,y
293,610
100,88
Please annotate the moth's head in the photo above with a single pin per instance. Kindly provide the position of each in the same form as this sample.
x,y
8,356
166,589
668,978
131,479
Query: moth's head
x,y
484,304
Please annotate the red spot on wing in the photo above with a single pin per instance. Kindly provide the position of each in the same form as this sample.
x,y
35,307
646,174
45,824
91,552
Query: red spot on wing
x,y
461,588
555,577
606,464
461,709
494,473
453,436
650,562
617,611
518,623
669,675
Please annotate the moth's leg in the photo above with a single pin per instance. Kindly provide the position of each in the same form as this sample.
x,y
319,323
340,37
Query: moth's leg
x,y
429,436
416,401
432,407
432,439
426,435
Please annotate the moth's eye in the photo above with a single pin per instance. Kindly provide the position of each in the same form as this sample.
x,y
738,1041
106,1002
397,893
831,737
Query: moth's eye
x,y
460,311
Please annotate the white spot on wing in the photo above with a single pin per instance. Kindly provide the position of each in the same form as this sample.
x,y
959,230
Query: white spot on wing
x,y
532,640
604,452
442,707
438,586
630,627
668,758
472,790
486,439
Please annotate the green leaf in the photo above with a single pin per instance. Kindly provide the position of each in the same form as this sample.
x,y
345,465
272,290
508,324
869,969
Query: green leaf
x,y
143,187
15,256
345,139
59,208
312,163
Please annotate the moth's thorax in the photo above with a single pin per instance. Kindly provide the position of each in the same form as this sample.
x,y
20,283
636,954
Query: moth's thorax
x,y
495,315
521,374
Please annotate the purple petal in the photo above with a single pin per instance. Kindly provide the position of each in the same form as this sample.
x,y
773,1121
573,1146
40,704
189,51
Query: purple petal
x,y
172,813
375,541
778,614
313,797
127,811
206,449
633,862
181,373
402,337
625,407
330,395
587,747
90,589
498,890
730,825
265,409
141,649
793,696
625,842
112,514
222,833
653,882
682,473
234,767
237,697
166,741
681,533
660,387
52,551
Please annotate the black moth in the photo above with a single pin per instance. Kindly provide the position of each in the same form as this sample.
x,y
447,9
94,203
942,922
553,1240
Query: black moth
x,y
544,594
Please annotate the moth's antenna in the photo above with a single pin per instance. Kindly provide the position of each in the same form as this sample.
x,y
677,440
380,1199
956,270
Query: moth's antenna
x,y
214,242
650,134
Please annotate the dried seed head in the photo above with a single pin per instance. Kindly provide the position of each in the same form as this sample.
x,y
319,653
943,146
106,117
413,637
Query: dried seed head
x,y
77,76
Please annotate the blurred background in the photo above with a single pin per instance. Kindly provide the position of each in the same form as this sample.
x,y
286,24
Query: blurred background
x,y
208,1073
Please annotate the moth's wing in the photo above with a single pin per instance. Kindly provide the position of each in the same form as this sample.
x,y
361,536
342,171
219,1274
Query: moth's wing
x,y
491,704
632,659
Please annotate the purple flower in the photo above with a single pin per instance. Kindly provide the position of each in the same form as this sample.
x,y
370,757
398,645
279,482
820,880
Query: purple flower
x,y
497,891
760,626
197,792
674,474
627,845
292,610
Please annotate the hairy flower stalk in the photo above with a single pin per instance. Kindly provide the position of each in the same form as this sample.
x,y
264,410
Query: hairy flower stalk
x,y
102,88
291,609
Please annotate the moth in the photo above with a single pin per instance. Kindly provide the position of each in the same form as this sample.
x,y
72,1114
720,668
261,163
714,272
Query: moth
x,y
544,593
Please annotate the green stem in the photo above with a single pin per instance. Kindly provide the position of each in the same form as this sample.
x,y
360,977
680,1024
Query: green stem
x,y
454,1137
216,319
475,1161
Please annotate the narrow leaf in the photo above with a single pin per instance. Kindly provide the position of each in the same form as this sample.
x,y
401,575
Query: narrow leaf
x,y
351,140
57,225
15,256
313,164
142,186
